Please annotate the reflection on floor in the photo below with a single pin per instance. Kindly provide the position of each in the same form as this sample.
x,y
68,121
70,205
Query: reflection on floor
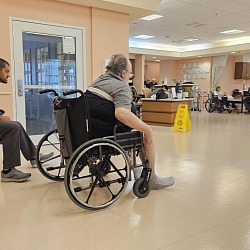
x,y
207,208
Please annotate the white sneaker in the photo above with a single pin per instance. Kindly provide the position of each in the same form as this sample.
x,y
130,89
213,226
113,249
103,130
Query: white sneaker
x,y
43,157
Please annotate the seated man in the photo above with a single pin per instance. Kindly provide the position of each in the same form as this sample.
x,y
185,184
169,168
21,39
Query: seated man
x,y
147,83
246,102
14,139
221,98
153,83
114,83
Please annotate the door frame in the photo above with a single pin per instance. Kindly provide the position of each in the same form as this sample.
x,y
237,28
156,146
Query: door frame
x,y
80,66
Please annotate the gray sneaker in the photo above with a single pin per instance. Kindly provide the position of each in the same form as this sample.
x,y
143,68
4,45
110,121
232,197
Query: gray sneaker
x,y
42,157
15,176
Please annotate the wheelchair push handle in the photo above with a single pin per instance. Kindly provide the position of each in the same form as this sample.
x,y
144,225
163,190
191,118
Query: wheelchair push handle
x,y
71,92
47,91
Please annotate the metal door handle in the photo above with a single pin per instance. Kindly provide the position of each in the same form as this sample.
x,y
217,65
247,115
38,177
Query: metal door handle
x,y
20,87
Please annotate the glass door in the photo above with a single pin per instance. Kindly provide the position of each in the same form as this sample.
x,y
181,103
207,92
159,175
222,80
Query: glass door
x,y
45,56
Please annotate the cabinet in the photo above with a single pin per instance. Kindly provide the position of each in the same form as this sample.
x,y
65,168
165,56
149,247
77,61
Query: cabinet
x,y
162,112
242,70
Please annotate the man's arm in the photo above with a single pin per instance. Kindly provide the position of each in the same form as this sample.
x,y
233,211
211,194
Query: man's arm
x,y
128,118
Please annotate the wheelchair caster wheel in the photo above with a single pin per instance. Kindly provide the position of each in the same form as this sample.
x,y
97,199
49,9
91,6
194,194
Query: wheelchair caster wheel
x,y
140,188
220,110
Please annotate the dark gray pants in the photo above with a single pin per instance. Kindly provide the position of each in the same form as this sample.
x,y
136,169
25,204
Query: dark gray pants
x,y
246,102
14,139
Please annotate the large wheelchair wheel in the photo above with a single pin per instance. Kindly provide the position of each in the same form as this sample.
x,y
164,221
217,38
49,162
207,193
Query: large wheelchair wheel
x,y
54,167
103,175
209,105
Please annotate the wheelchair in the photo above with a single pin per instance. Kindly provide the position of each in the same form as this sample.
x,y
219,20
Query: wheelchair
x,y
214,104
95,171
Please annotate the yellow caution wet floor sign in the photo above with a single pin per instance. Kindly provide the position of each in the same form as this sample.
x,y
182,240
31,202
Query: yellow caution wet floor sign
x,y
182,119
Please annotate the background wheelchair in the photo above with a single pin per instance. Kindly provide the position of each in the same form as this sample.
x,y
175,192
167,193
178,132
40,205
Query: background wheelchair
x,y
95,171
214,104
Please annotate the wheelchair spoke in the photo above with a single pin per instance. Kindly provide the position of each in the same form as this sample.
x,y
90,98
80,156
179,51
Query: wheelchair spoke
x,y
104,176
92,189
52,158
107,186
118,170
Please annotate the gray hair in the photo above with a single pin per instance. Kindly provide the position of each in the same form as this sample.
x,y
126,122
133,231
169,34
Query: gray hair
x,y
117,64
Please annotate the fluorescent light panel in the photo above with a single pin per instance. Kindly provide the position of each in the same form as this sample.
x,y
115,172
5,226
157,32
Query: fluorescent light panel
x,y
151,17
143,36
191,39
230,32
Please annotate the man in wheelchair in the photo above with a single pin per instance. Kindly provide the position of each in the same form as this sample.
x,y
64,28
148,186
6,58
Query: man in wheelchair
x,y
113,86
220,99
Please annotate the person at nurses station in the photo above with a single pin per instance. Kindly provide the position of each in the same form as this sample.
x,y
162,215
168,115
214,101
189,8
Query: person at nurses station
x,y
14,138
147,83
114,83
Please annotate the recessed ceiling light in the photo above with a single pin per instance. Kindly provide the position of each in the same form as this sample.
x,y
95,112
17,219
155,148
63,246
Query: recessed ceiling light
x,y
151,17
143,36
191,39
233,52
157,60
154,57
199,56
230,32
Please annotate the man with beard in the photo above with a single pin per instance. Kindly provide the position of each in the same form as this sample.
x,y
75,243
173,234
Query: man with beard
x,y
15,138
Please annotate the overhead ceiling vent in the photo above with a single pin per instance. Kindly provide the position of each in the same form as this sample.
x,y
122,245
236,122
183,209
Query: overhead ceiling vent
x,y
192,24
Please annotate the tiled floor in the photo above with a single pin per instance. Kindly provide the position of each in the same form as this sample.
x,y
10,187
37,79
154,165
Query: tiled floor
x,y
208,208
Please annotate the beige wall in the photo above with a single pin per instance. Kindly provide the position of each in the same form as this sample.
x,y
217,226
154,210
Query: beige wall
x,y
169,71
227,81
152,70
110,35
106,33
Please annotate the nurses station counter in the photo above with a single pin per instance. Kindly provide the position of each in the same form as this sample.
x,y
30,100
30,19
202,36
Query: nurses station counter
x,y
162,112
